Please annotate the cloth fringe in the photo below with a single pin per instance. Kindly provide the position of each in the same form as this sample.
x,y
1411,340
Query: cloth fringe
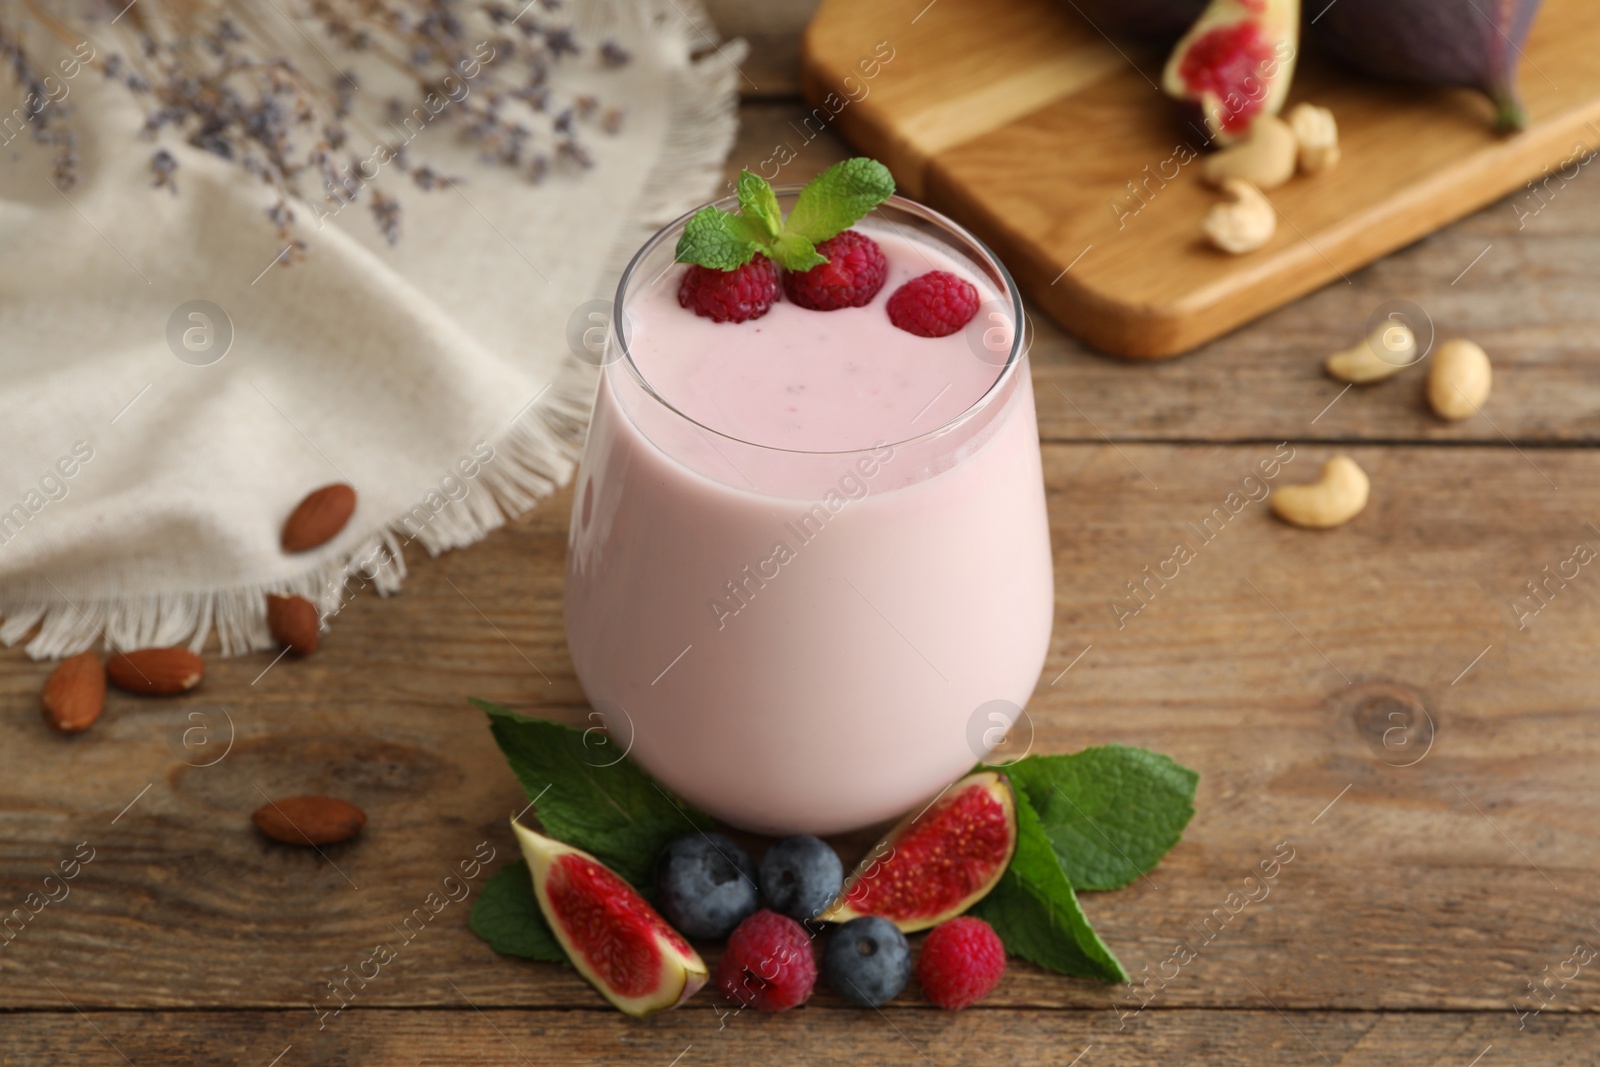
x,y
537,455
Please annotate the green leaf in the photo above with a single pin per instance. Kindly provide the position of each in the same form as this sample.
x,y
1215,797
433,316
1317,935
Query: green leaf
x,y
717,239
794,252
609,808
1036,914
1111,812
751,230
833,201
759,204
507,916
839,197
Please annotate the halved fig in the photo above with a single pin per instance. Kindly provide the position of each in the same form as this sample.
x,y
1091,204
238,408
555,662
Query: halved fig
x,y
936,863
1235,63
612,936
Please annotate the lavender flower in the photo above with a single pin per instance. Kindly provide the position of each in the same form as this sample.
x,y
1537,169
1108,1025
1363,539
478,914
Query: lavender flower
x,y
163,165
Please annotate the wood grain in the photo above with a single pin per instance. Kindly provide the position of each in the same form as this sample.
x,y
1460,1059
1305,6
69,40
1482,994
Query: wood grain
x,y
1054,145
1271,664
826,1038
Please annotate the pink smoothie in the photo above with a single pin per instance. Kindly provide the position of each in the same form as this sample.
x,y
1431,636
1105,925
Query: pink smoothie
x,y
792,594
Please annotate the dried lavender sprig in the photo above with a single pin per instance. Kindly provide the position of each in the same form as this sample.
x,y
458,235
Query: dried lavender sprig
x,y
225,88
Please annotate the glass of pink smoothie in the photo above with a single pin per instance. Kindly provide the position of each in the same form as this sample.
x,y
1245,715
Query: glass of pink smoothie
x,y
809,554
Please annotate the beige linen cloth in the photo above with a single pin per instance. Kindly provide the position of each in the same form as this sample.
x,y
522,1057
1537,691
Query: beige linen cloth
x,y
142,494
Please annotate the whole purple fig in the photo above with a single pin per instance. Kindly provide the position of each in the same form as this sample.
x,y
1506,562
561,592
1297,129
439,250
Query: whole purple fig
x,y
1441,42
1158,19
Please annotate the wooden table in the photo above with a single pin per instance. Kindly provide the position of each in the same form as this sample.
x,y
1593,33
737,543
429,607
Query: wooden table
x,y
1366,695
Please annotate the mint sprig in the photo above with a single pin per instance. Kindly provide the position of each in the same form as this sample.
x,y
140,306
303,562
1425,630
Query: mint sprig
x,y
830,203
605,806
1096,819
507,916
1036,913
1111,812
608,808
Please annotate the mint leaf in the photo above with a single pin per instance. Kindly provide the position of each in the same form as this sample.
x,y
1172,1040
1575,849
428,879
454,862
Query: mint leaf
x,y
617,812
717,239
1111,812
1036,914
839,197
794,252
758,203
750,230
833,202
507,916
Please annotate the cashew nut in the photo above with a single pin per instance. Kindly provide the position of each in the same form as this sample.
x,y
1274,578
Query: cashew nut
x,y
1265,158
1333,501
1243,225
1458,381
1318,136
1391,349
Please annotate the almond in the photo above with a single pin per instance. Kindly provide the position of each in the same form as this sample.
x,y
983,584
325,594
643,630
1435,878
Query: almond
x,y
318,518
294,623
309,820
156,671
75,693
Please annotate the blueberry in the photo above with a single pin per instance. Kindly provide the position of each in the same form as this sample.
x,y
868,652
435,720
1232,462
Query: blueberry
x,y
800,876
705,885
867,961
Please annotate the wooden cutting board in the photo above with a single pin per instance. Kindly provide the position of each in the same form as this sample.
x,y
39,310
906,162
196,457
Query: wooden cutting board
x,y
1053,144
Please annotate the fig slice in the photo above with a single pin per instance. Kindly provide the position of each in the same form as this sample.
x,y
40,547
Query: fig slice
x,y
938,862
1475,43
1235,63
610,933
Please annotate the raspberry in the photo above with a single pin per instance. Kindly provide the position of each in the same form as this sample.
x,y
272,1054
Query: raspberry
x,y
961,963
737,295
768,964
854,273
935,304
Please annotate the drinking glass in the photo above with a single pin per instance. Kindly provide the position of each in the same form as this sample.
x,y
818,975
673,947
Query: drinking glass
x,y
811,642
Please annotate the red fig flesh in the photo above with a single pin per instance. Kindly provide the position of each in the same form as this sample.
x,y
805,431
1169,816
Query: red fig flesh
x,y
1476,43
1235,63
936,863
612,936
